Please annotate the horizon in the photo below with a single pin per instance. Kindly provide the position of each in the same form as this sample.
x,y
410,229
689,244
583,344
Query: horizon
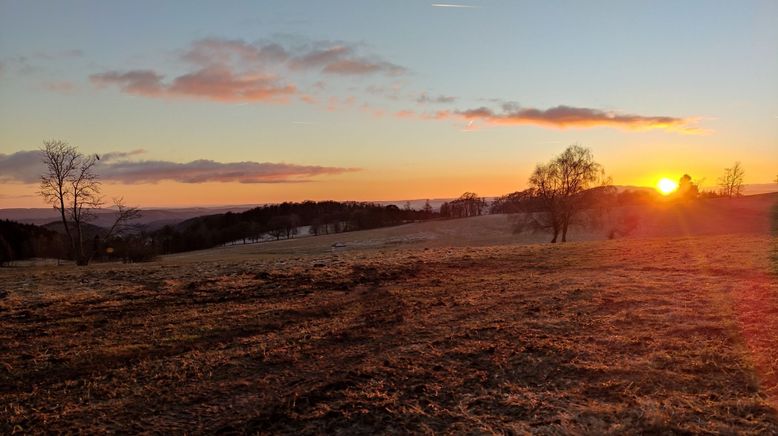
x,y
259,104
748,190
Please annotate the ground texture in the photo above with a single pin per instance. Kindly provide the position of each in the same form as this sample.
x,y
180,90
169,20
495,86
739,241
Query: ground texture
x,y
670,335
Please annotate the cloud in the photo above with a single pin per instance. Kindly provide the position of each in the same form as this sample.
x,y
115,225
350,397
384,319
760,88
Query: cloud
x,y
342,59
138,82
424,98
200,171
237,71
27,166
221,84
216,51
114,155
30,64
22,166
569,117
211,83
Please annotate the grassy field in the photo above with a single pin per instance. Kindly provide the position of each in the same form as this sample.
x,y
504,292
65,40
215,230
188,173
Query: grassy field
x,y
745,215
657,335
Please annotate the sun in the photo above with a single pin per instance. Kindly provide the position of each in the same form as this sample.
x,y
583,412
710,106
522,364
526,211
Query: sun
x,y
666,186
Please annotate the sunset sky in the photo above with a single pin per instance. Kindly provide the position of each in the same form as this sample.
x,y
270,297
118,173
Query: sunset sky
x,y
206,103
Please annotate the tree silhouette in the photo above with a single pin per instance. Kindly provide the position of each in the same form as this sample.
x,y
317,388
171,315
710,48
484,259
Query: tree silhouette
x,y
558,187
731,183
427,209
687,189
71,186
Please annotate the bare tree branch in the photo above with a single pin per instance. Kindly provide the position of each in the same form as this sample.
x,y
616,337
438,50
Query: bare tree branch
x,y
731,183
71,186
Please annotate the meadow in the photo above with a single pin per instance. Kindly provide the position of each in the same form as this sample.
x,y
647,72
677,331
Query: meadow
x,y
401,330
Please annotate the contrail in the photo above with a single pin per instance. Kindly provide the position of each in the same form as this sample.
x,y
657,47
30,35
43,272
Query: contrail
x,y
449,5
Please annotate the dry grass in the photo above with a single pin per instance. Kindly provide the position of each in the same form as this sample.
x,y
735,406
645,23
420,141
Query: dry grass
x,y
655,336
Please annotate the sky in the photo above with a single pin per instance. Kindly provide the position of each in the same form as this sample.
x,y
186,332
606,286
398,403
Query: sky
x,y
214,103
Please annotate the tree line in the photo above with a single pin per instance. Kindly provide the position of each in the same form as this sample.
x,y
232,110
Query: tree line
x,y
281,221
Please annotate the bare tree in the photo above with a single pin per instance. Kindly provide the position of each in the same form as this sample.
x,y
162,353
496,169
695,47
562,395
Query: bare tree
x,y
546,188
558,188
467,205
71,185
124,215
427,209
731,183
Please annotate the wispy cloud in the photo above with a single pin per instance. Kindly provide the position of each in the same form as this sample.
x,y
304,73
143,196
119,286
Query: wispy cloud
x,y
139,82
114,155
201,171
27,166
31,64
568,117
451,5
424,98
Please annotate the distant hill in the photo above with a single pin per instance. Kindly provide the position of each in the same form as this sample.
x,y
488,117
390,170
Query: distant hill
x,y
152,219
156,218
760,188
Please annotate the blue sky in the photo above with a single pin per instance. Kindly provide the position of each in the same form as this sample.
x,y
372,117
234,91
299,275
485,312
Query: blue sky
x,y
410,125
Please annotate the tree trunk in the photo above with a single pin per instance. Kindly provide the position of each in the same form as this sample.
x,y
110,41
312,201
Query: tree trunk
x,y
564,232
65,223
81,258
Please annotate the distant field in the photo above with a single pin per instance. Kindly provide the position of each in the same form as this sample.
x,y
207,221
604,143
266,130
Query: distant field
x,y
746,215
656,335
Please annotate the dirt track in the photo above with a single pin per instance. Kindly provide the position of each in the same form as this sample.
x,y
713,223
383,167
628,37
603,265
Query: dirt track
x,y
639,336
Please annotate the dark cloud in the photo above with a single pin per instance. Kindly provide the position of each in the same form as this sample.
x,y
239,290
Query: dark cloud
x,y
27,166
22,166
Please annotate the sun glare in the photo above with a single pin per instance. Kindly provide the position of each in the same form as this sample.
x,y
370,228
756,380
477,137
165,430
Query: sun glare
x,y
666,186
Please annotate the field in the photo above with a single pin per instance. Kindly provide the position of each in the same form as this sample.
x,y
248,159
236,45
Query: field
x,y
401,333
